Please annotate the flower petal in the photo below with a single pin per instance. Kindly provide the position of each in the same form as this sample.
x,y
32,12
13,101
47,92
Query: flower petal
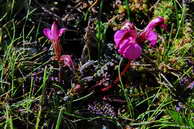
x,y
152,37
133,51
119,36
54,31
122,35
124,45
47,33
159,21
131,29
148,33
61,31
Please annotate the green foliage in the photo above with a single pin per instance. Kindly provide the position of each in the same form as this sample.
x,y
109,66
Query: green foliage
x,y
181,120
165,9
101,29
144,97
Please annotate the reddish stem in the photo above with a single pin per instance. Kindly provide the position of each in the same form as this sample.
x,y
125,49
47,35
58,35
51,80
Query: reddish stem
x,y
126,68
57,49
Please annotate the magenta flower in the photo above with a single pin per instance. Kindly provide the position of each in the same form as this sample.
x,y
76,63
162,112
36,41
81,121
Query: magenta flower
x,y
149,34
54,35
67,61
127,39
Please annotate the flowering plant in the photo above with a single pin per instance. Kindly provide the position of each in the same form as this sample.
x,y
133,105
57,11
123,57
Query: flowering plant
x,y
54,35
127,39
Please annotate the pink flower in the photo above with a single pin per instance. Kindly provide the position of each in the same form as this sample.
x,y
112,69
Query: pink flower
x,y
149,34
127,39
67,61
54,35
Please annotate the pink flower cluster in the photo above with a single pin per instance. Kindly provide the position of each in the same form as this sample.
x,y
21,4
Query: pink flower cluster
x,y
54,35
127,39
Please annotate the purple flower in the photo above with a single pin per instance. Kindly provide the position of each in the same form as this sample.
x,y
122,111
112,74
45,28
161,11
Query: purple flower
x,y
54,35
127,39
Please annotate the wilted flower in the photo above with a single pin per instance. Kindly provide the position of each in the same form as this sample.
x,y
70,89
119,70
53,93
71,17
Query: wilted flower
x,y
67,61
54,35
127,39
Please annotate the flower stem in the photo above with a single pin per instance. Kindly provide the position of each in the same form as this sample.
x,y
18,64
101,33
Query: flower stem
x,y
126,68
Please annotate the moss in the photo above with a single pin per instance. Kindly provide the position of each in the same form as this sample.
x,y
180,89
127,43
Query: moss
x,y
164,9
